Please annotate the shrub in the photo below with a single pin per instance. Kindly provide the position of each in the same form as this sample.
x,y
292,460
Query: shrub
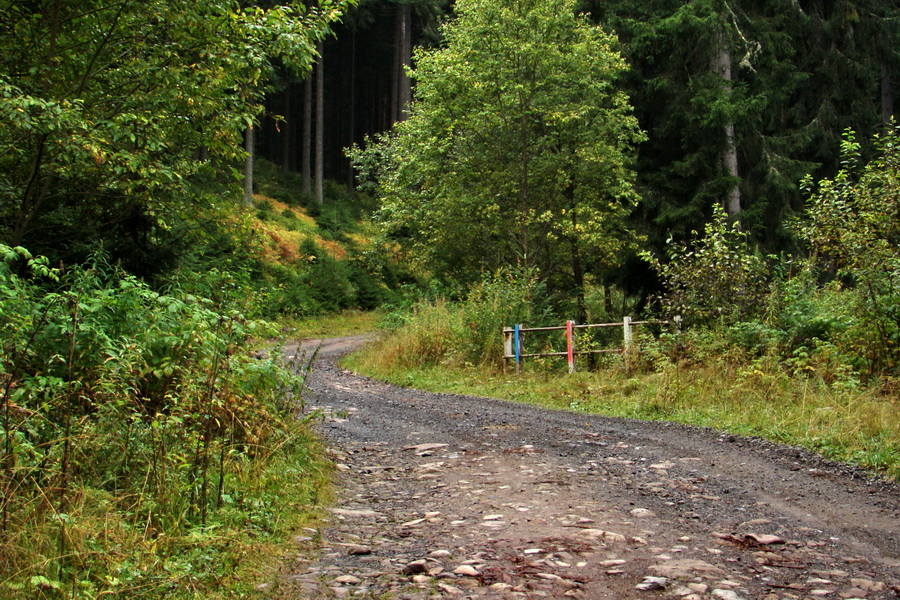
x,y
436,331
129,418
502,299
719,279
853,227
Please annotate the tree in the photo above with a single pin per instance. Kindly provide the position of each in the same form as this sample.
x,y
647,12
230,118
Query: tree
x,y
402,85
788,78
248,165
105,104
319,173
517,147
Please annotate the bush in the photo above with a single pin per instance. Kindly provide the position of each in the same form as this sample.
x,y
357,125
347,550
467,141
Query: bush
x,y
129,419
854,229
720,279
439,331
807,313
503,299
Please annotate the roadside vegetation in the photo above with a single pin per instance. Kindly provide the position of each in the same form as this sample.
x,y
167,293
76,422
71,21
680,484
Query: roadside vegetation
x,y
843,420
146,448
800,351
157,443
154,442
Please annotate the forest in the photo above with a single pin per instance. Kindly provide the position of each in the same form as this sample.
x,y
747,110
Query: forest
x,y
183,181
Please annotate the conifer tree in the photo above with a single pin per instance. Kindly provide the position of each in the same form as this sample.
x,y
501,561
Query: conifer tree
x,y
801,73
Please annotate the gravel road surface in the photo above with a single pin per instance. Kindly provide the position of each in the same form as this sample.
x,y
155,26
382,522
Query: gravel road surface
x,y
446,496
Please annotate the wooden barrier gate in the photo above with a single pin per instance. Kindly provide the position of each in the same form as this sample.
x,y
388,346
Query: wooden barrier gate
x,y
513,346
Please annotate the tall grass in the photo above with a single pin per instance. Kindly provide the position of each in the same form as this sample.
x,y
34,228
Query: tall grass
x,y
439,331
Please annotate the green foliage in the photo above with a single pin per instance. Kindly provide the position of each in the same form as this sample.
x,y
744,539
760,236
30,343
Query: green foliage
x,y
835,316
324,264
516,150
114,112
507,297
320,283
853,227
807,313
470,331
140,437
720,279
801,73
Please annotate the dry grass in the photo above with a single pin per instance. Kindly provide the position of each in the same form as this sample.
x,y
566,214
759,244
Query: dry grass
x,y
283,245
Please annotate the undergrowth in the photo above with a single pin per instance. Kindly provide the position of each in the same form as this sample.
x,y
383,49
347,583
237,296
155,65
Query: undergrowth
x,y
145,452
316,260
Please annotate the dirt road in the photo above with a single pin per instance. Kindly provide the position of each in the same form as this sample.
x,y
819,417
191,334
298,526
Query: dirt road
x,y
446,496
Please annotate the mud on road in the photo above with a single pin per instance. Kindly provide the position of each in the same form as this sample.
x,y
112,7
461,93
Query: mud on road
x,y
445,496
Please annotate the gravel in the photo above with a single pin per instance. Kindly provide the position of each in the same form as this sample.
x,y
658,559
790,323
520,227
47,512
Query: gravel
x,y
448,496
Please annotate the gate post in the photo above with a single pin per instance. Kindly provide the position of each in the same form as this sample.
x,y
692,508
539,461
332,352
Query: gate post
x,y
570,346
626,322
518,345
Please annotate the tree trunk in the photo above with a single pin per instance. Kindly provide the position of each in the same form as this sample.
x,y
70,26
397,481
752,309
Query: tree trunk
x,y
577,268
402,85
248,166
37,187
722,65
306,158
887,95
320,126
287,140
352,116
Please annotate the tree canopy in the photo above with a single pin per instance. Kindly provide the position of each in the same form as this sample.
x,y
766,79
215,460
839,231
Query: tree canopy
x,y
517,149
112,108
801,73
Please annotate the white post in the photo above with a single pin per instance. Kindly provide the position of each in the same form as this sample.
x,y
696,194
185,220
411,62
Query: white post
x,y
626,326
508,343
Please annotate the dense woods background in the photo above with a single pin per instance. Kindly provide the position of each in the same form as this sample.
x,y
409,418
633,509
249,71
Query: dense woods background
x,y
174,174
739,99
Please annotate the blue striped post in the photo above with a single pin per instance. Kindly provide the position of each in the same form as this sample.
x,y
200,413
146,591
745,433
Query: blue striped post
x,y
518,343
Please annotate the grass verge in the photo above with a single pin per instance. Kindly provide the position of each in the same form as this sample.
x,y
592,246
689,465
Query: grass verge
x,y
108,555
345,323
854,425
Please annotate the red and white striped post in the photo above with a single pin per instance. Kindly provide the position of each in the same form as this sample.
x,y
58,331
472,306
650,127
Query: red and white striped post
x,y
570,346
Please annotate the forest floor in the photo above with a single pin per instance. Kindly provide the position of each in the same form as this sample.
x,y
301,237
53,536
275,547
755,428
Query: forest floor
x,y
445,496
